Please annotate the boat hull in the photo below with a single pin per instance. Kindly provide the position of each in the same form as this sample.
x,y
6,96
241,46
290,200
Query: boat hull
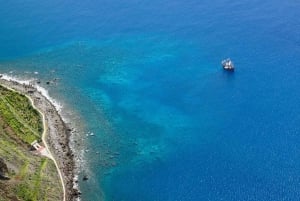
x,y
228,69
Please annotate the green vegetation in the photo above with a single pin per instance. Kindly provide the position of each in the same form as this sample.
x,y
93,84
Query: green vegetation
x,y
17,111
32,177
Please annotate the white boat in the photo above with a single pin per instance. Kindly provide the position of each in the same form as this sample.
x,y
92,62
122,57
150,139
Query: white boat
x,y
228,65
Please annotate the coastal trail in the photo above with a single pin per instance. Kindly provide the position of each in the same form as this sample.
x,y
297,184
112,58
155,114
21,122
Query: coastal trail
x,y
44,134
47,147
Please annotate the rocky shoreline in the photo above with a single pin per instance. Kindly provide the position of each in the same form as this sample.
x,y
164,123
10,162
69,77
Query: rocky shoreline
x,y
57,137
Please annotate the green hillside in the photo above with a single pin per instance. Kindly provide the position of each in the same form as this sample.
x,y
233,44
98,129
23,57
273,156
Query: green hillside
x,y
31,177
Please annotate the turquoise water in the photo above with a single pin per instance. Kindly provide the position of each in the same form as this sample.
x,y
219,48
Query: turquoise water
x,y
145,78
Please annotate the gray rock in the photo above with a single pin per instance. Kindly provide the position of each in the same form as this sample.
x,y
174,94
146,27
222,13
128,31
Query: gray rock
x,y
3,170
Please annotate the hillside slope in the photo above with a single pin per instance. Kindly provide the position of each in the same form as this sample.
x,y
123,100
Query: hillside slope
x,y
24,175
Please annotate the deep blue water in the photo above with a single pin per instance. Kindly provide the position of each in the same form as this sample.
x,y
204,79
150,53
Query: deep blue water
x,y
145,78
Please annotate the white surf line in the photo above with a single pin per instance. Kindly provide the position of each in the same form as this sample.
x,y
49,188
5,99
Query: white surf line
x,y
44,141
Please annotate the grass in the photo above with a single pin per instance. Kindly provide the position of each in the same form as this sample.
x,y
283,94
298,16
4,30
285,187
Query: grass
x,y
24,170
38,177
32,178
25,193
18,113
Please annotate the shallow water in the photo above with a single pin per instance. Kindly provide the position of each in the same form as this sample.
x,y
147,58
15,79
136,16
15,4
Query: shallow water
x,y
145,79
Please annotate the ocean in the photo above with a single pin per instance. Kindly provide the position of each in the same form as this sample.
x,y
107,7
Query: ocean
x,y
158,118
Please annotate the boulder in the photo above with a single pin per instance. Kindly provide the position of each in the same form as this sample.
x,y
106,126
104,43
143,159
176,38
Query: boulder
x,y
85,178
3,169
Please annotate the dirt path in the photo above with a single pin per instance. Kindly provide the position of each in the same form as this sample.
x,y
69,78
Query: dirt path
x,y
50,155
47,147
